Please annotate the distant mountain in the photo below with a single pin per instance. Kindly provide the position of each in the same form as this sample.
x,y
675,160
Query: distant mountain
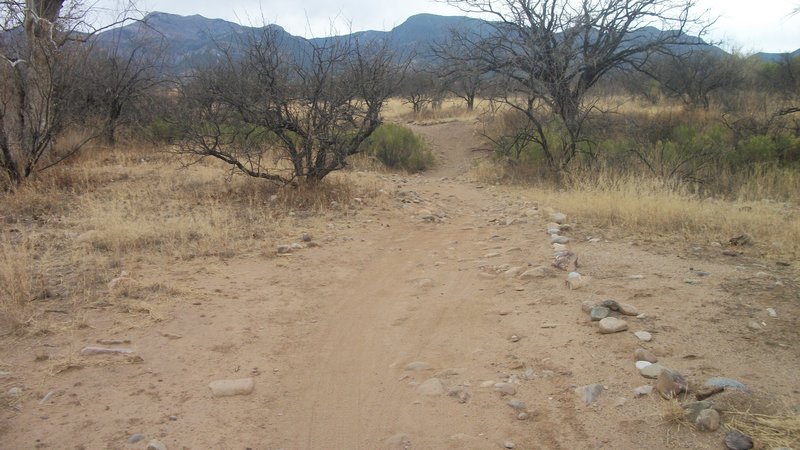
x,y
195,40
775,57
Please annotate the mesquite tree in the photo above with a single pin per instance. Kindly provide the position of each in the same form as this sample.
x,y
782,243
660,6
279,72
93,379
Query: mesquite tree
x,y
40,61
286,112
549,53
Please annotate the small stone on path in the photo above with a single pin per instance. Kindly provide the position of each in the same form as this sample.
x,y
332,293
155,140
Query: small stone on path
x,y
726,383
522,416
772,312
598,313
431,387
707,420
509,444
628,309
642,364
505,388
643,336
516,404
610,304
134,438
651,371
641,354
558,218
156,445
643,390
590,392
735,440
228,388
612,325
417,366
671,383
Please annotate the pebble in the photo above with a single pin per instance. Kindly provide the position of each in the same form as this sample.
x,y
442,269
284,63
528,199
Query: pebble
x,y
636,277
576,281
671,383
558,217
509,444
487,383
772,312
505,388
516,404
707,420
459,392
514,338
417,366
598,313
692,410
156,445
643,336
284,249
610,304
642,364
735,440
612,325
522,416
641,354
587,306
558,248
727,383
556,239
753,325
641,391
134,438
228,388
628,309
651,371
590,392
565,260
431,387
86,351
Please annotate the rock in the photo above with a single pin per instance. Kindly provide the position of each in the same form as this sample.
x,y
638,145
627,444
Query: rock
x,y
134,438
87,351
566,261
643,336
576,280
417,366
556,239
635,277
610,304
516,404
641,391
589,393
598,313
431,387
523,416
297,246
771,312
641,354
558,248
725,383
228,388
628,309
284,249
459,392
671,383
707,420
514,338
306,237
398,441
505,388
536,272
552,231
487,383
736,400
509,444
156,445
735,440
651,371
705,392
753,325
692,410
587,306
612,325
642,364
558,218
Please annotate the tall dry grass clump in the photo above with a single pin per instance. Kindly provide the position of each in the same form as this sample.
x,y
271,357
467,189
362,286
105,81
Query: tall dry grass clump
x,y
69,231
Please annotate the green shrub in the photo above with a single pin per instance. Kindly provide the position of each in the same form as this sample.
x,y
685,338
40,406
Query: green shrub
x,y
398,147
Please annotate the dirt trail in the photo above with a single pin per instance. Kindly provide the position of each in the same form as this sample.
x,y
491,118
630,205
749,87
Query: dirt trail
x,y
327,334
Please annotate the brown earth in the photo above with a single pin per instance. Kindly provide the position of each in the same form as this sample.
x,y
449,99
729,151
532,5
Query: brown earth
x,y
327,332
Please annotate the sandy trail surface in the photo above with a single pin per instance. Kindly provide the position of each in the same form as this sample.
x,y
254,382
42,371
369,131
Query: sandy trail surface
x,y
328,333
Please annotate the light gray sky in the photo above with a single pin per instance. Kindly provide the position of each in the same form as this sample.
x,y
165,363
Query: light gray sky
x,y
745,25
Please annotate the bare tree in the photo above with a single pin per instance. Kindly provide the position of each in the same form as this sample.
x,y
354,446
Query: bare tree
x,y
550,53
694,76
121,75
309,108
461,68
419,88
39,57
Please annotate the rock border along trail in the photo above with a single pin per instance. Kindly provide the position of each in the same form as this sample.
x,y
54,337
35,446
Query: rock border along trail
x,y
459,318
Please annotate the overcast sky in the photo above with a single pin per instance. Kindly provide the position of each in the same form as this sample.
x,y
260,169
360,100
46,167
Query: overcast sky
x,y
745,25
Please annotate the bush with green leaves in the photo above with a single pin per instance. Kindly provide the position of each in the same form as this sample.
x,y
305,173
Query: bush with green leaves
x,y
398,147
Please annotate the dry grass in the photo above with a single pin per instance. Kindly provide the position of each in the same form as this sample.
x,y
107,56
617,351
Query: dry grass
x,y
642,205
396,110
772,431
65,234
